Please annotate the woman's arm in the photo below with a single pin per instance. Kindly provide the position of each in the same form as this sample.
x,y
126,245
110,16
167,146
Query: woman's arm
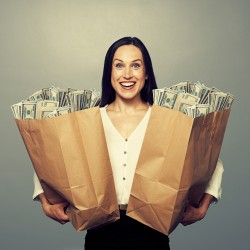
x,y
56,211
214,185
212,193
37,187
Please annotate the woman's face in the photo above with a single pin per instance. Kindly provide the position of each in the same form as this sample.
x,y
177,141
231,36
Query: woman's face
x,y
128,72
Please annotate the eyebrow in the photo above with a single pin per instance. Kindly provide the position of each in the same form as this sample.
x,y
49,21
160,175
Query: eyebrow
x,y
132,61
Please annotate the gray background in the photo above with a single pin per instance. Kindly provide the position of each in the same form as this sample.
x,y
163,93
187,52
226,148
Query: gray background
x,y
64,43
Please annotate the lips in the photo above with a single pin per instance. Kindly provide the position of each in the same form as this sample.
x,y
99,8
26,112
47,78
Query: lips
x,y
127,84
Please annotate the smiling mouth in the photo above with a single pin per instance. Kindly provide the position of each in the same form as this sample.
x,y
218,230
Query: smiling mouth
x,y
127,84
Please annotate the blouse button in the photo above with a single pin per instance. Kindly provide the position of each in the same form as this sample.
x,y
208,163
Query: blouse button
x,y
124,178
125,152
124,165
126,139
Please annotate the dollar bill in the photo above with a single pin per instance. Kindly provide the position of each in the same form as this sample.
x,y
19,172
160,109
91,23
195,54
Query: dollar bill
x,y
37,96
86,99
183,104
62,96
211,101
95,97
17,110
59,111
45,103
220,98
190,97
180,86
45,93
168,98
28,110
53,94
229,101
72,99
216,100
190,110
204,94
201,109
63,110
157,95
184,100
194,88
45,111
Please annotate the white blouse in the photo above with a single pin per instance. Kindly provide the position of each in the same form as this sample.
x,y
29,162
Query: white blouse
x,y
124,154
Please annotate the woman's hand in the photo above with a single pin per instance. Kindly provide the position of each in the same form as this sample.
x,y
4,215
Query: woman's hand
x,y
55,212
193,214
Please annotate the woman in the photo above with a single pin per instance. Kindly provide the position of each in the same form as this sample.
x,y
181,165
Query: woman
x,y
127,84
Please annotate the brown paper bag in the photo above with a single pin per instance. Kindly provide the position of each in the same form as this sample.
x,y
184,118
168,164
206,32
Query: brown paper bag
x,y
177,159
70,156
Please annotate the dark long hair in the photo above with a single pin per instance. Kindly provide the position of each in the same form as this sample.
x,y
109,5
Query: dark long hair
x,y
108,93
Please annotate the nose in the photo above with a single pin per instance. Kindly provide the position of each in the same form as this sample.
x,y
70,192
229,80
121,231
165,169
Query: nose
x,y
127,73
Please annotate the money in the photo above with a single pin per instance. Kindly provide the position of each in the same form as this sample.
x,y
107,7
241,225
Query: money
x,y
190,111
204,94
201,109
157,95
45,111
28,110
62,96
194,88
63,110
87,99
45,93
193,98
54,101
95,97
185,100
76,99
36,96
183,104
53,94
189,97
59,111
180,86
228,102
220,98
17,110
168,98
216,100
43,104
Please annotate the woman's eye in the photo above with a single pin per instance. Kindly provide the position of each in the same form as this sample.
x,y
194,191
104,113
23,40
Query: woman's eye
x,y
136,65
118,65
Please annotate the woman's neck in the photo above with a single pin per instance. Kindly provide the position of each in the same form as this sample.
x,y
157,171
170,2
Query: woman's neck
x,y
127,106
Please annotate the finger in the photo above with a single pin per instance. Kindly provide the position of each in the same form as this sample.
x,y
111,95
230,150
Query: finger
x,y
64,204
65,209
61,221
62,216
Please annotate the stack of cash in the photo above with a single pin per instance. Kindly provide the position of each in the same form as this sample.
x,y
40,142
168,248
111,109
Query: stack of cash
x,y
53,101
192,98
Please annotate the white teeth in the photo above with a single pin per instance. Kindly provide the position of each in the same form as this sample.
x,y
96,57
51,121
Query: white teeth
x,y
127,84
